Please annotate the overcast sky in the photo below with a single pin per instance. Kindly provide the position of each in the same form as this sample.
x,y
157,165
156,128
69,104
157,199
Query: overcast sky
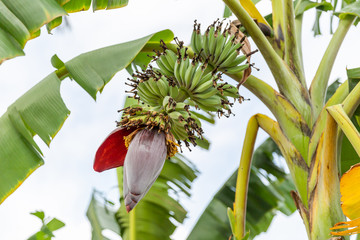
x,y
63,186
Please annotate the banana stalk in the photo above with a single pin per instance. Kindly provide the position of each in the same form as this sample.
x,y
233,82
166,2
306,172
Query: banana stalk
x,y
297,166
286,80
324,203
320,81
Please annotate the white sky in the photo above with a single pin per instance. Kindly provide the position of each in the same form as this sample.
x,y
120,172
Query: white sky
x,y
63,186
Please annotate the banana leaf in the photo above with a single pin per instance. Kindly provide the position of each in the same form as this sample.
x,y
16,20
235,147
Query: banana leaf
x,y
348,155
21,20
101,216
269,192
41,111
157,214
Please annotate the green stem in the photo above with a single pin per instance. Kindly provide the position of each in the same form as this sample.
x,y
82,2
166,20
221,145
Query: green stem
x,y
279,26
298,29
290,120
292,54
344,122
319,84
298,168
338,97
352,101
287,82
62,73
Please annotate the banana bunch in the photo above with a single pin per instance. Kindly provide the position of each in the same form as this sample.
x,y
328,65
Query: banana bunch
x,y
177,83
153,90
220,48
195,80
169,117
183,124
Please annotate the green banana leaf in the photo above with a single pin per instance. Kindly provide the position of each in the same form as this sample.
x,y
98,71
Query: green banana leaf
x,y
49,225
265,198
21,20
305,5
41,111
159,212
348,155
101,216
350,9
156,213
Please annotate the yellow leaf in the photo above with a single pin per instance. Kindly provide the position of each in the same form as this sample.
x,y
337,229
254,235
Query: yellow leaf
x,y
350,202
253,12
350,192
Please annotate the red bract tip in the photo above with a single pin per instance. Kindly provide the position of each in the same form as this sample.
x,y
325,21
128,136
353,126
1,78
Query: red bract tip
x,y
112,151
128,209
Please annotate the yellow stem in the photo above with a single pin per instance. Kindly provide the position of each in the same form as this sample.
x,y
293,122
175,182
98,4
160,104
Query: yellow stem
x,y
296,164
132,224
243,177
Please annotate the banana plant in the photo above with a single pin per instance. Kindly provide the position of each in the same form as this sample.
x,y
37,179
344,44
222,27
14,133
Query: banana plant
x,y
188,79
306,129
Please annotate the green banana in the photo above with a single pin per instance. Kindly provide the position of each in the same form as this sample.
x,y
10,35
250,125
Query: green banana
x,y
183,68
163,86
152,85
221,40
233,53
190,73
212,41
171,58
177,71
206,94
237,69
173,92
165,62
193,41
146,98
163,69
225,50
196,77
208,79
165,102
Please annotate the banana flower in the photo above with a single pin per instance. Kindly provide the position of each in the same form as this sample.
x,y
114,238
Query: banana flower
x,y
350,202
142,154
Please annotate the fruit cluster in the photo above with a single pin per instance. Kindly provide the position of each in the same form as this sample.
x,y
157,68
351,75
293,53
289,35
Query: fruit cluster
x,y
180,82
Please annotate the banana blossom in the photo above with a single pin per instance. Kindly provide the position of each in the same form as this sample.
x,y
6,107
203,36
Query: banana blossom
x,y
350,202
141,152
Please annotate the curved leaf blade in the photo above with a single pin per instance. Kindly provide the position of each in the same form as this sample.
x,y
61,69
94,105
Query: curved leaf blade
x,y
21,20
350,9
41,111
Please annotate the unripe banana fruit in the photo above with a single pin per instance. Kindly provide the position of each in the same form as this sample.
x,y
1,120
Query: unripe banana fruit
x,y
220,48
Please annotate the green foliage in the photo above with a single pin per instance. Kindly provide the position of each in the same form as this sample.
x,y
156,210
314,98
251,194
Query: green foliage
x,y
47,228
349,156
101,216
41,111
21,20
269,192
306,5
158,213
